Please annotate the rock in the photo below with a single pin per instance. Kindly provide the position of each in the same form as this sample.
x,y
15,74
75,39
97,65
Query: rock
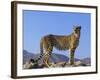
x,y
77,63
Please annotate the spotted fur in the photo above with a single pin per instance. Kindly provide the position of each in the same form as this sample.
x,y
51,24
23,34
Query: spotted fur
x,y
60,42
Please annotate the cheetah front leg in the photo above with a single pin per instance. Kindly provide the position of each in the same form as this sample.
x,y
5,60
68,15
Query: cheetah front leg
x,y
71,57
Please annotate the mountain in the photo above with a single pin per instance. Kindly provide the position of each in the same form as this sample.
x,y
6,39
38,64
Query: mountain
x,y
58,58
27,56
86,61
54,58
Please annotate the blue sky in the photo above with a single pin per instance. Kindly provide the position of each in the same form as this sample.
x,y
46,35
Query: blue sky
x,y
37,24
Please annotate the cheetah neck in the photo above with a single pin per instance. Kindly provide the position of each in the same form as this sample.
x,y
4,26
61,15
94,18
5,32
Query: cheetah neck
x,y
76,35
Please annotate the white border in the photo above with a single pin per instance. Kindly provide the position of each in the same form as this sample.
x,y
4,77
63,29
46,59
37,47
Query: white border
x,y
21,72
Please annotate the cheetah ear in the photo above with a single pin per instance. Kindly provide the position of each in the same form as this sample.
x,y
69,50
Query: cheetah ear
x,y
80,26
74,27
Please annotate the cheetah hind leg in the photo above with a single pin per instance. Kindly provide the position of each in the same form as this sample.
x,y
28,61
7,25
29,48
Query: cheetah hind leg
x,y
46,60
48,52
